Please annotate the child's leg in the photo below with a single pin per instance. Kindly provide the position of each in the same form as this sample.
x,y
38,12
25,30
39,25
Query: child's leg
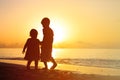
x,y
46,67
54,63
36,64
28,64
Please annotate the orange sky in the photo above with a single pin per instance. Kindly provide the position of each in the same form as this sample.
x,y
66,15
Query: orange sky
x,y
76,23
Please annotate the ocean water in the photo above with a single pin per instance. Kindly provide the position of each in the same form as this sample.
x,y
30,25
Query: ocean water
x,y
105,58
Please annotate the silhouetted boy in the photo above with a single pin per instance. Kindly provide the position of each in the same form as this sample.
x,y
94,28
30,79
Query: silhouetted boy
x,y
46,48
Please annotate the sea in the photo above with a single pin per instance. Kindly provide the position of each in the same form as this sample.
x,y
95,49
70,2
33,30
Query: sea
x,y
103,58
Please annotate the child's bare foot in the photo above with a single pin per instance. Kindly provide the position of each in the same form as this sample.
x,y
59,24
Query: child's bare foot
x,y
53,67
36,68
28,67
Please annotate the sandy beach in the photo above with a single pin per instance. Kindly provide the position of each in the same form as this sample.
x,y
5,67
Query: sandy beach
x,y
15,70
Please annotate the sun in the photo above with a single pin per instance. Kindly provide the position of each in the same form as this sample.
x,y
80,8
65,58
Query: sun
x,y
59,28
59,32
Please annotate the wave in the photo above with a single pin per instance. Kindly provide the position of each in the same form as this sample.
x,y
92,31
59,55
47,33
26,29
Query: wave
x,y
102,63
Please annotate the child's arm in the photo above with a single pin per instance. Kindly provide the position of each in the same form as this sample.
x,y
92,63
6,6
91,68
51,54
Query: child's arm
x,y
25,46
40,42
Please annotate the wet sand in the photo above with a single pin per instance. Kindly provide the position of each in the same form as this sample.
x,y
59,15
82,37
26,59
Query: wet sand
x,y
15,70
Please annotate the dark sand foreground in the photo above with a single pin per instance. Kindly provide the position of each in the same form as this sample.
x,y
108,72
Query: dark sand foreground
x,y
19,72
9,71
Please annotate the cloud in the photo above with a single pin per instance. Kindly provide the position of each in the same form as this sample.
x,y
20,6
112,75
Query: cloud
x,y
80,44
14,45
77,44
2,45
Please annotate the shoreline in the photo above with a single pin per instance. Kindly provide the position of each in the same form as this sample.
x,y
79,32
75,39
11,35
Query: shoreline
x,y
73,68
11,68
104,63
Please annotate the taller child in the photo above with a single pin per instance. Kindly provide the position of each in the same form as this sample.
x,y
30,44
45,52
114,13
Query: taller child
x,y
46,48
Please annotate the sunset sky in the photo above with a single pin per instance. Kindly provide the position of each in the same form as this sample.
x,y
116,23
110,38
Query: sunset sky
x,y
76,23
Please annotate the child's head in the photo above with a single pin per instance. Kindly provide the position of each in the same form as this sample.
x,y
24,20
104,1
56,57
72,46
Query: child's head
x,y
45,22
33,33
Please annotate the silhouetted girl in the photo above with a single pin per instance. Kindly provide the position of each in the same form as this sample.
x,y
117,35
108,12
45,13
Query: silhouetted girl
x,y
33,50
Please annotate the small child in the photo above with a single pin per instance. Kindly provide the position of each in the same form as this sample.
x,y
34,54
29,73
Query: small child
x,y
33,50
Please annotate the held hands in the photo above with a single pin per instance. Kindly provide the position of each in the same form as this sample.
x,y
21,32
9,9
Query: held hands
x,y
23,52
